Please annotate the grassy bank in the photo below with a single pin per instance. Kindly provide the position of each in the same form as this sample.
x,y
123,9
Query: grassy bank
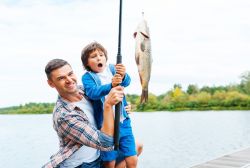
x,y
29,108
47,108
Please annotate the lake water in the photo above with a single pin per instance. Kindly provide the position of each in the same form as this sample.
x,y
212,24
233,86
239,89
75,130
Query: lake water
x,y
171,139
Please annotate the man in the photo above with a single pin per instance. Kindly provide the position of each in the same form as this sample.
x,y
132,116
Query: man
x,y
73,120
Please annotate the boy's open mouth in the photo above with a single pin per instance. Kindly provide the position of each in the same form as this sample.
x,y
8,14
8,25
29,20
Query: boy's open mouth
x,y
99,65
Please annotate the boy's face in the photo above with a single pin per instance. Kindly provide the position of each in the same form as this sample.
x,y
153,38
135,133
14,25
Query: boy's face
x,y
97,61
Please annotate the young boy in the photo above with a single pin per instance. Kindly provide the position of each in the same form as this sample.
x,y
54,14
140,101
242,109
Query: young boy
x,y
97,82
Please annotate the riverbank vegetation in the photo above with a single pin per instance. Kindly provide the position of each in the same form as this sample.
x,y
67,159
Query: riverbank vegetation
x,y
29,108
230,97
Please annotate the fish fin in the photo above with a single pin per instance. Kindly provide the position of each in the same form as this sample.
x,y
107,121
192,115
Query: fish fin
x,y
137,60
142,47
144,96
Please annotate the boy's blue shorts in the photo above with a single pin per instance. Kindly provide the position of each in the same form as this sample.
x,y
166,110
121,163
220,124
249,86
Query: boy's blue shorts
x,y
126,143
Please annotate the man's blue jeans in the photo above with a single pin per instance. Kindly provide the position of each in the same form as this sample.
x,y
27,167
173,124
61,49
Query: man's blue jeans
x,y
94,164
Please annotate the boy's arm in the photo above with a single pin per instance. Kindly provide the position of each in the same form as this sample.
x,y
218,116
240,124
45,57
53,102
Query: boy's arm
x,y
91,89
126,80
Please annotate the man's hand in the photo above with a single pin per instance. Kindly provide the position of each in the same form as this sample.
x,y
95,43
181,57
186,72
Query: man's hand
x,y
116,80
115,96
120,69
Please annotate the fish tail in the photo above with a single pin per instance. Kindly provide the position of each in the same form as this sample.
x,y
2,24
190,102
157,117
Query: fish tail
x,y
144,96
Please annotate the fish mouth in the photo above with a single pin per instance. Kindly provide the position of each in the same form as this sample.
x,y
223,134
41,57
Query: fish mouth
x,y
144,34
100,65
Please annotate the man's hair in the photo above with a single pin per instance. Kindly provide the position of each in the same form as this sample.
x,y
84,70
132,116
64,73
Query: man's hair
x,y
88,50
53,65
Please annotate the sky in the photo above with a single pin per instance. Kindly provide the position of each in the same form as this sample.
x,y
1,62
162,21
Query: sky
x,y
206,42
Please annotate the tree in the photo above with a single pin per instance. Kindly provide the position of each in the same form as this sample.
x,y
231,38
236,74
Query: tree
x,y
205,89
177,92
177,86
245,82
192,89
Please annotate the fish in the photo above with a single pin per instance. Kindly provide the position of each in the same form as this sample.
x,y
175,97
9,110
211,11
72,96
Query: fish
x,y
143,57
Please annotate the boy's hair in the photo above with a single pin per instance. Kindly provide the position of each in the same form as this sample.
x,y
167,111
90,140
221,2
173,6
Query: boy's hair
x,y
88,50
53,65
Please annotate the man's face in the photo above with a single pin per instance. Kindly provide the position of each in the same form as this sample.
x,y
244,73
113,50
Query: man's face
x,y
64,80
97,61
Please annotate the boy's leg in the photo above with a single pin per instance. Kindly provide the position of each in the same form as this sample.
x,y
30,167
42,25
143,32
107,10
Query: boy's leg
x,y
131,161
108,158
139,147
127,144
120,161
121,164
109,164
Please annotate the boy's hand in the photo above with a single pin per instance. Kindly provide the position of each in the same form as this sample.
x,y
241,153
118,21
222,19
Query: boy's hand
x,y
128,108
116,80
120,69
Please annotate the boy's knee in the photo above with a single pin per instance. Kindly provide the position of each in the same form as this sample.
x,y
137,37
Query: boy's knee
x,y
110,164
131,161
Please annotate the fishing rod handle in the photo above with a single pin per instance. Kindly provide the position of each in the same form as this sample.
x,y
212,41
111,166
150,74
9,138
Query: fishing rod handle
x,y
117,125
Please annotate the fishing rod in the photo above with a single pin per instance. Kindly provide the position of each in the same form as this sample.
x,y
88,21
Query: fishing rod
x,y
118,106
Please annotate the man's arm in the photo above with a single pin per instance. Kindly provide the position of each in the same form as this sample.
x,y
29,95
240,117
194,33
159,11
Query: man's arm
x,y
77,129
81,131
116,95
